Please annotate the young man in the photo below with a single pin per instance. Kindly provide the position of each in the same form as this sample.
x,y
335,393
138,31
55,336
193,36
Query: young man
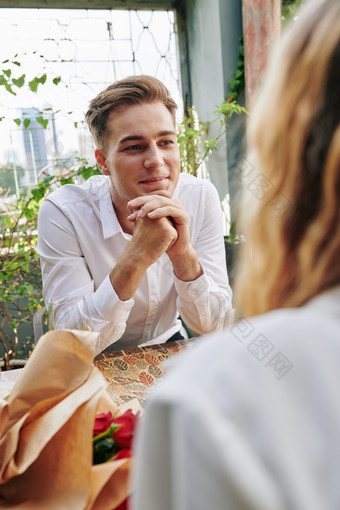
x,y
141,243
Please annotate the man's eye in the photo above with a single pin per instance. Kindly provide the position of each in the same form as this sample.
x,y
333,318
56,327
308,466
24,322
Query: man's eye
x,y
133,148
167,142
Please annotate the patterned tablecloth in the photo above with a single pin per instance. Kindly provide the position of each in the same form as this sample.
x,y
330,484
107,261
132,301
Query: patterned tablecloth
x,y
131,373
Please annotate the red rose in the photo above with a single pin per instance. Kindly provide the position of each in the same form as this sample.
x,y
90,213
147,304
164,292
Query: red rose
x,y
101,423
124,505
123,454
124,435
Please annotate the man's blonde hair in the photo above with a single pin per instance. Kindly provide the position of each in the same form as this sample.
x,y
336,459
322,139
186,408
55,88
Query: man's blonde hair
x,y
129,91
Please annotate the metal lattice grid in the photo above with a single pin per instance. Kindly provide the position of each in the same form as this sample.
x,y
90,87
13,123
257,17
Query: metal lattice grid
x,y
88,49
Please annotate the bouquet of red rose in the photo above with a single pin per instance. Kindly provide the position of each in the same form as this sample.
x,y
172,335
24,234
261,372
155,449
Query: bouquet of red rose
x,y
112,437
47,432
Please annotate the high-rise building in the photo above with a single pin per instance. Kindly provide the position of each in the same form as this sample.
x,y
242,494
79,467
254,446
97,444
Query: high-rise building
x,y
35,145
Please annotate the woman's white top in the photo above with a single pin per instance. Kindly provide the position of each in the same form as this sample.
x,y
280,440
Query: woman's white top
x,y
249,418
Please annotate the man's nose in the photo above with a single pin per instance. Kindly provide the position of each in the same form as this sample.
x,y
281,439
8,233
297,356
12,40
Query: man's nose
x,y
153,158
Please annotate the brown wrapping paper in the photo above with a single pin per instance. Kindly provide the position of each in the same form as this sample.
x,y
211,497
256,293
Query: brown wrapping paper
x,y
46,431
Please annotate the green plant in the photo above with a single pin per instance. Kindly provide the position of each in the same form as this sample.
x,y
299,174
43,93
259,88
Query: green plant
x,y
193,135
233,237
12,80
288,10
233,244
20,275
237,82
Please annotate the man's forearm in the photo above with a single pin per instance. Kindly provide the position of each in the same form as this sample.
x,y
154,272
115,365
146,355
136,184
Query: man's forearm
x,y
127,274
186,267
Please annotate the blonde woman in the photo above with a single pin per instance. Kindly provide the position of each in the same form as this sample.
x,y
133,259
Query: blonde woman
x,y
250,418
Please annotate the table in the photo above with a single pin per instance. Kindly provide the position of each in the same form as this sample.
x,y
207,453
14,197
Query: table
x,y
131,373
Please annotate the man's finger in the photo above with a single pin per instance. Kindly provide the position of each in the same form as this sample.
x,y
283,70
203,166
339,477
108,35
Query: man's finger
x,y
133,216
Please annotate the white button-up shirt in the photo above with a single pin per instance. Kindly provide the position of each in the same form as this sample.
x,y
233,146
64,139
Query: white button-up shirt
x,y
80,240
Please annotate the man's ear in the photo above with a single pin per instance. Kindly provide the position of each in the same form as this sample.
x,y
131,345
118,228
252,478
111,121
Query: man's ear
x,y
101,161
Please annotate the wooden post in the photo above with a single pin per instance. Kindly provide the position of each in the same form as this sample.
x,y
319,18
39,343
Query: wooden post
x,y
261,28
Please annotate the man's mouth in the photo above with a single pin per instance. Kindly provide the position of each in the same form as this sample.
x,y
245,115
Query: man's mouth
x,y
153,180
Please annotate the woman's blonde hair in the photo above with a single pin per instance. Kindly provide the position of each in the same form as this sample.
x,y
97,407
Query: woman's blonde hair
x,y
292,224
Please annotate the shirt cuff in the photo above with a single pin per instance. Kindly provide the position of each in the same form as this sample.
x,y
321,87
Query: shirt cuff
x,y
194,288
107,303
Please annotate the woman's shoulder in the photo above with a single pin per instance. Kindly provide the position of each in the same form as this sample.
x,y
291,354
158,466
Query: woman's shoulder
x,y
263,349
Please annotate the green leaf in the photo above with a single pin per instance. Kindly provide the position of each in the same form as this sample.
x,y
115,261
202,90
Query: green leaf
x,y
22,290
56,80
17,121
16,63
38,193
27,122
103,450
7,72
33,84
42,79
19,82
233,231
5,83
8,222
210,144
66,181
42,121
5,61
87,172
9,89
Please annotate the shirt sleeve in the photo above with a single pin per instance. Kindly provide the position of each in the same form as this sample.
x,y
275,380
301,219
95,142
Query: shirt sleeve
x,y
205,304
67,282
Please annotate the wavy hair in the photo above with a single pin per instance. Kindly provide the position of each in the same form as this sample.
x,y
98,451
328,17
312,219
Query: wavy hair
x,y
292,223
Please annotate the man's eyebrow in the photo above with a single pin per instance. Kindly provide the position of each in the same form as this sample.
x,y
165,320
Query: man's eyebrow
x,y
139,137
130,138
167,133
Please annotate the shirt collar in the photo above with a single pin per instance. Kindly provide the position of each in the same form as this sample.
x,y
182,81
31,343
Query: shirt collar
x,y
108,217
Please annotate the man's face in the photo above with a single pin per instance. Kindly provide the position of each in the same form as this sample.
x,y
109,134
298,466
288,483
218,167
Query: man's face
x,y
141,154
